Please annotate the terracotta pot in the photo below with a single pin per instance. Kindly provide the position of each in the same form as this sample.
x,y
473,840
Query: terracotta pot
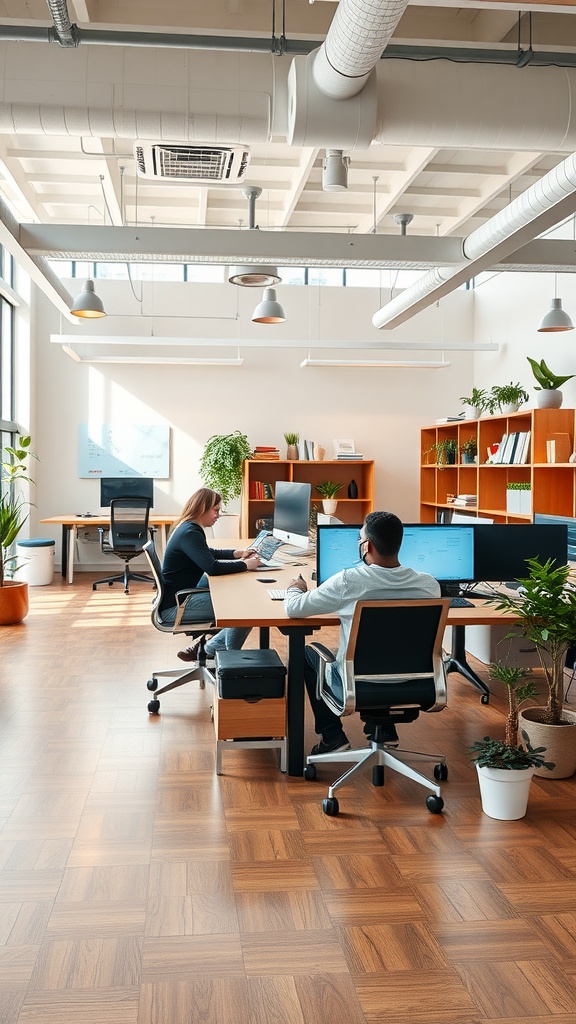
x,y
13,602
559,740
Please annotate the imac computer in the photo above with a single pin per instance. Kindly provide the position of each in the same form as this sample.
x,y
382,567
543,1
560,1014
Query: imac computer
x,y
501,551
292,513
445,552
125,487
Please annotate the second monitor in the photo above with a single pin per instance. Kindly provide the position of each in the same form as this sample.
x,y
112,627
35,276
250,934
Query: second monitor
x,y
292,513
125,487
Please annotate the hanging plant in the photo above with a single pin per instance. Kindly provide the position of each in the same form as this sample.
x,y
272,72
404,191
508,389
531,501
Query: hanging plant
x,y
221,463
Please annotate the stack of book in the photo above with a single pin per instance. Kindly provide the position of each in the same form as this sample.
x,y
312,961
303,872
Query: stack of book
x,y
513,449
261,491
466,500
346,457
264,453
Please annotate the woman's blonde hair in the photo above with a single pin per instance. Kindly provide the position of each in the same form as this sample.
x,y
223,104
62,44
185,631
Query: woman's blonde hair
x,y
200,502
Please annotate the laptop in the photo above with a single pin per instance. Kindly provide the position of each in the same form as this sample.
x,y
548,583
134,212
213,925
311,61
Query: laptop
x,y
265,545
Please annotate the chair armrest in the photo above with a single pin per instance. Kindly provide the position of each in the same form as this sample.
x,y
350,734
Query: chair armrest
x,y
102,530
326,658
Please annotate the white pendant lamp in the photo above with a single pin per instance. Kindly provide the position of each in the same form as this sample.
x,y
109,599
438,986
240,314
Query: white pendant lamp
x,y
88,305
269,311
556,319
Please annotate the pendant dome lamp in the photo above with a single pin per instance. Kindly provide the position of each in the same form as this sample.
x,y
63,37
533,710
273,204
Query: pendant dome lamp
x,y
88,304
556,319
269,311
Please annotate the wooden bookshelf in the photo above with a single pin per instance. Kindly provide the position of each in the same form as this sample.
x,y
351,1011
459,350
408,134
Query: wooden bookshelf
x,y
553,485
350,510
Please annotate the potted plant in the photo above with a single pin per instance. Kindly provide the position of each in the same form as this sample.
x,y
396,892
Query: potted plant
x,y
474,404
469,450
292,445
545,614
446,450
221,469
505,767
548,384
506,398
14,511
519,498
328,491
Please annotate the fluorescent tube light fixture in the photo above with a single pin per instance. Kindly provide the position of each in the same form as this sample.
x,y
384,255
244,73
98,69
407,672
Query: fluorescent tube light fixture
x,y
373,363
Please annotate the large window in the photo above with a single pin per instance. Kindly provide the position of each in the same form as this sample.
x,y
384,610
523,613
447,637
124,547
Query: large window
x,y
8,427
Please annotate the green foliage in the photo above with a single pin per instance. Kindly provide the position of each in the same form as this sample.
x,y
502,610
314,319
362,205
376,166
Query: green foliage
x,y
470,447
328,489
547,381
477,399
519,487
13,505
489,753
221,463
506,394
519,687
291,438
546,616
445,448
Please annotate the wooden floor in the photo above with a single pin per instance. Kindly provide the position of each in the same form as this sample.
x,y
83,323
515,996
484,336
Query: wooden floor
x,y
136,887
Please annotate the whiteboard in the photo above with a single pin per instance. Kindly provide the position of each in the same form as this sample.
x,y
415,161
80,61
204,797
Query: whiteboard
x,y
125,450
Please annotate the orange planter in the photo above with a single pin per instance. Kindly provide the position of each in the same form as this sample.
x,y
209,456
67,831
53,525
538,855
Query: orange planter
x,y
13,602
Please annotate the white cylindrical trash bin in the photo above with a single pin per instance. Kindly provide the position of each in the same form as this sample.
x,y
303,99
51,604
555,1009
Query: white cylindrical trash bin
x,y
35,559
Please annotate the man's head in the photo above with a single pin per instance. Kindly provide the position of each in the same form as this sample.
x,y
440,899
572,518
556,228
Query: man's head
x,y
384,532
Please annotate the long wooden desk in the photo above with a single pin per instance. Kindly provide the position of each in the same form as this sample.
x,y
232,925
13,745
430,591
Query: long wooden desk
x,y
72,523
241,600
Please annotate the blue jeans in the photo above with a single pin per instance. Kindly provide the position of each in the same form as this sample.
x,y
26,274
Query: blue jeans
x,y
199,609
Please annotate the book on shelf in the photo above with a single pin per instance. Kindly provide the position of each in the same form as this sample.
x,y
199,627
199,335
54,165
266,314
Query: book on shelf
x,y
468,500
558,448
350,458
260,490
450,419
265,454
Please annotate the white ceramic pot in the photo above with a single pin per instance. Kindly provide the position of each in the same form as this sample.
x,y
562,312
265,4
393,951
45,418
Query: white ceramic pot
x,y
471,412
504,792
509,407
549,398
228,525
329,506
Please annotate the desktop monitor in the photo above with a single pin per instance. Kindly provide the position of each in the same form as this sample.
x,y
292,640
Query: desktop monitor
x,y
568,521
445,552
125,487
292,513
502,550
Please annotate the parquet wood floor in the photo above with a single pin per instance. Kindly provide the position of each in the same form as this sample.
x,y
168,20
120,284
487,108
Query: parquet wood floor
x,y
136,887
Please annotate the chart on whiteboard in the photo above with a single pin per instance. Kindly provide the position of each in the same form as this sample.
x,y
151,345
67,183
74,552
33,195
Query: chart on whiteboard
x,y
124,450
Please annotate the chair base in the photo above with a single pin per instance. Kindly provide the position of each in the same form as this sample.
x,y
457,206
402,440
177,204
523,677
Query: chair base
x,y
201,673
140,577
378,757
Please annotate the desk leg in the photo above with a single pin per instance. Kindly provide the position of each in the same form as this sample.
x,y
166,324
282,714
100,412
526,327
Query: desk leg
x,y
457,662
71,552
64,554
295,697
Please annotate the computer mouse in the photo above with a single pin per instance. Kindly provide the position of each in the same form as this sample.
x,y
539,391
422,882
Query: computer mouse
x,y
266,579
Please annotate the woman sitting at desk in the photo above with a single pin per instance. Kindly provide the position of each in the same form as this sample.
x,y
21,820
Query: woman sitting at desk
x,y
188,562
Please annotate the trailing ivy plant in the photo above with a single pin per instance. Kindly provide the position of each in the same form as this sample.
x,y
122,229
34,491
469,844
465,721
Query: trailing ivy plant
x,y
221,463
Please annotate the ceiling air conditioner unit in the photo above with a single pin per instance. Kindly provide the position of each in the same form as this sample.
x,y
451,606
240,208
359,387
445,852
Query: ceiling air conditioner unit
x,y
201,163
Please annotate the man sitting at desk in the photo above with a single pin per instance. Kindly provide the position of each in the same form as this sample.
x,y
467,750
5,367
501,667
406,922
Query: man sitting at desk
x,y
379,578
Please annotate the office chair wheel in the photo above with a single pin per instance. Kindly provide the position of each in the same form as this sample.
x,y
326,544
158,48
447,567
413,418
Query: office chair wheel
x,y
154,707
378,775
310,772
434,804
152,684
330,806
440,772
485,698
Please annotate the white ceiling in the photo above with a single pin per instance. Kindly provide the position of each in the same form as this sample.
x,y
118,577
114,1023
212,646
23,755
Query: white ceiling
x,y
77,181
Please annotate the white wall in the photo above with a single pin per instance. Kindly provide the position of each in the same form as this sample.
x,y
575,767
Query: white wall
x,y
382,410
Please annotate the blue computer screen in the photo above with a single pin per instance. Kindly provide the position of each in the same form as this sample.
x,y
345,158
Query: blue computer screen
x,y
445,552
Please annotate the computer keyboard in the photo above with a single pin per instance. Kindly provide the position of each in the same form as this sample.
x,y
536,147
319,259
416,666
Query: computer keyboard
x,y
460,602
277,594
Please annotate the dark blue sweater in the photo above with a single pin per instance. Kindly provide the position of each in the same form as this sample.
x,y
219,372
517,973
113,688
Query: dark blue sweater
x,y
188,557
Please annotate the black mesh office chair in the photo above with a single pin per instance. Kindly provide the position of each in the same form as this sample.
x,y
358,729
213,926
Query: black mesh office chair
x,y
126,538
200,672
394,670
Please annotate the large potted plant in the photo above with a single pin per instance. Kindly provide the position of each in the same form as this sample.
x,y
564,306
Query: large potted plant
x,y
221,469
545,614
14,511
548,384
505,767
